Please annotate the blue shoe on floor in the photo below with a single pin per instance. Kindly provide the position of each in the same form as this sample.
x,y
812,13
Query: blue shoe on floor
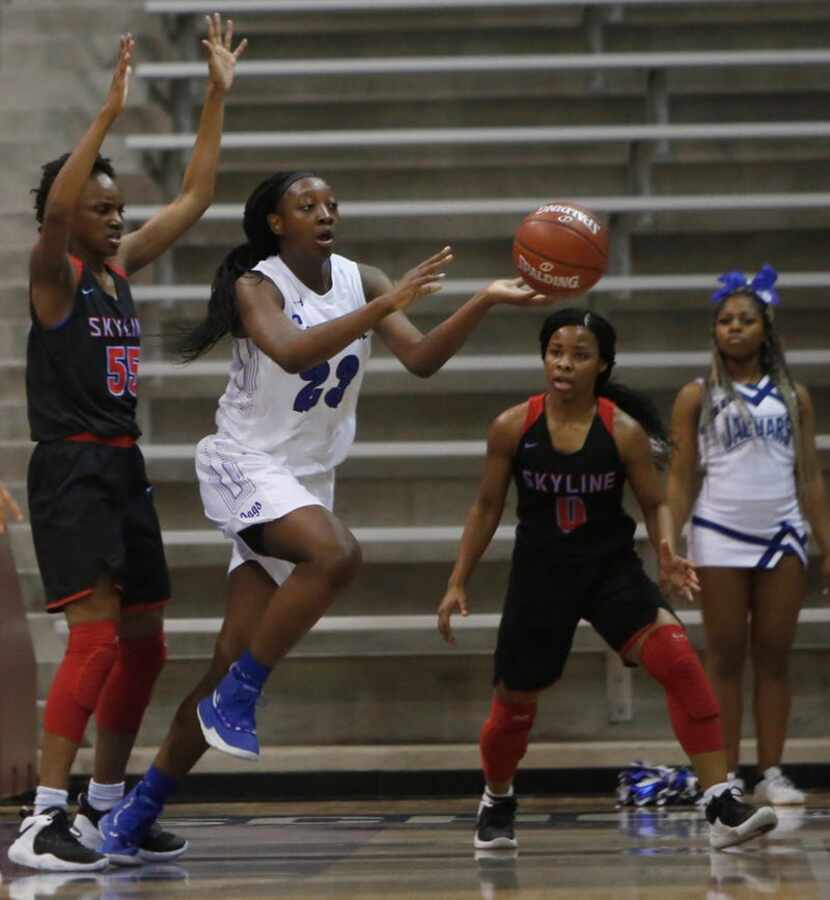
x,y
227,716
124,827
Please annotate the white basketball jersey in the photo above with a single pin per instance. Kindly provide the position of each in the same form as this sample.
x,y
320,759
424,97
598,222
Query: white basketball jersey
x,y
749,459
306,422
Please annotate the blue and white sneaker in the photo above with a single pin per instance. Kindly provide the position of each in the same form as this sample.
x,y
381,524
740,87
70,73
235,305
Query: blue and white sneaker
x,y
124,827
155,844
227,716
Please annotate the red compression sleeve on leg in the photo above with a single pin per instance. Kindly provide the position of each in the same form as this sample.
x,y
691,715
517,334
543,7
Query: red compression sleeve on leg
x,y
504,738
89,658
668,656
129,687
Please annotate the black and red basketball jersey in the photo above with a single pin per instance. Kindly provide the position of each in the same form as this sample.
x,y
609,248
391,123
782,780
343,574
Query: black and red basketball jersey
x,y
81,375
570,504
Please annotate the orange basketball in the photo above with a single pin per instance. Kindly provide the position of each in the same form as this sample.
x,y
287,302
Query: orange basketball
x,y
561,249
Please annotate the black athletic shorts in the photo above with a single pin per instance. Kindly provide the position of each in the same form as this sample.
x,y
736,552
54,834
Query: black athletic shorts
x,y
92,511
545,601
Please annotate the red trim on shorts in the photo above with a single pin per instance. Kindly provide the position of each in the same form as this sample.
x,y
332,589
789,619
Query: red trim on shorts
x,y
605,410
87,437
59,604
144,607
535,408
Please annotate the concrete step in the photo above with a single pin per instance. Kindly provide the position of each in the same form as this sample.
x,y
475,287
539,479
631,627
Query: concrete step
x,y
540,101
203,547
510,330
463,416
518,178
378,757
663,250
505,374
408,699
481,230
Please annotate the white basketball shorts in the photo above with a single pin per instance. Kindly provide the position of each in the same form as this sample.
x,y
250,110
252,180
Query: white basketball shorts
x,y
242,487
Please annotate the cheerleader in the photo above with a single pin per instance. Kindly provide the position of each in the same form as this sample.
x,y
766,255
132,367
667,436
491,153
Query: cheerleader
x,y
745,466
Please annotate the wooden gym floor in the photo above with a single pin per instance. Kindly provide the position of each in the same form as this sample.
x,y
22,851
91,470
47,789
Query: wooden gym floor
x,y
569,848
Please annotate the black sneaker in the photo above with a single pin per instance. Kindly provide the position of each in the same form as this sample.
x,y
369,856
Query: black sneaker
x,y
731,821
157,845
48,842
494,825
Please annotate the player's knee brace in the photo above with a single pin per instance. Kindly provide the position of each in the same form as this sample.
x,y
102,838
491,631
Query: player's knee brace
x,y
504,738
129,687
668,656
89,658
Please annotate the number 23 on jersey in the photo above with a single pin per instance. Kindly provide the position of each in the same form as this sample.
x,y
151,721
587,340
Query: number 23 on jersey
x,y
310,395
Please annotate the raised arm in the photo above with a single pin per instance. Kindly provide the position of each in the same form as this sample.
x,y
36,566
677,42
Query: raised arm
x,y
814,497
154,237
424,354
485,514
296,349
53,281
683,481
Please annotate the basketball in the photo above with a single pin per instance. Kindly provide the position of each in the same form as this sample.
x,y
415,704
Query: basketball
x,y
561,249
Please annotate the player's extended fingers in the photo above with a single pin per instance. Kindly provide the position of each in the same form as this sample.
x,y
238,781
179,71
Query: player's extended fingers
x,y
211,31
436,259
228,34
241,48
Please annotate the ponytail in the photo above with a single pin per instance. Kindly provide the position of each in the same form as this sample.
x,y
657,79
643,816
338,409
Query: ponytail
x,y
632,402
222,313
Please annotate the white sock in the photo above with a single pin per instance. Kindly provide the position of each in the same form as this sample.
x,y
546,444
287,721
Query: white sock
x,y
715,790
104,796
46,797
496,796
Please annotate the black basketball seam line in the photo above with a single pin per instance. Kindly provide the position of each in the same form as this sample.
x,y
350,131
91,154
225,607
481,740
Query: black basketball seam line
x,y
560,262
567,227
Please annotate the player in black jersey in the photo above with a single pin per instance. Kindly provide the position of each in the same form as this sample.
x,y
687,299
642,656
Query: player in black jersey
x,y
569,452
94,526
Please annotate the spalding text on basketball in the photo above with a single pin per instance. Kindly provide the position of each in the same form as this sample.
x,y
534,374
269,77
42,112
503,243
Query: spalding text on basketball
x,y
591,224
544,276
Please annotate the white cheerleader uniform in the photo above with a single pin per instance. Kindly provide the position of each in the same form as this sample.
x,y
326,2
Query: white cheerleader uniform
x,y
279,436
747,513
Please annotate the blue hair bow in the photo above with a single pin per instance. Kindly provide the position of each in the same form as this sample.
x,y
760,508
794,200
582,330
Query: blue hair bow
x,y
762,285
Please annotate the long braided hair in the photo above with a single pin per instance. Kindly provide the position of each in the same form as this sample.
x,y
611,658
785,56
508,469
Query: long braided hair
x,y
222,314
773,363
637,405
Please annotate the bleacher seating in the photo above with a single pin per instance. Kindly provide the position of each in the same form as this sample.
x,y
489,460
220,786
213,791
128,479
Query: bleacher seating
x,y
705,156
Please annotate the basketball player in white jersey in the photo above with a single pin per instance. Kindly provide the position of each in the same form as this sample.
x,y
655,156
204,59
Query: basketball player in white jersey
x,y
746,436
301,317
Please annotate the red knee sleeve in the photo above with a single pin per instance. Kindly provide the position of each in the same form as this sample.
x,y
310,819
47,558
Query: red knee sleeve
x,y
129,687
504,739
90,655
669,657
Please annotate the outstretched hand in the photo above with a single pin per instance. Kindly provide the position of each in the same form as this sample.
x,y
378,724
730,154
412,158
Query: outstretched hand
x,y
424,279
119,86
678,576
455,600
222,59
516,292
